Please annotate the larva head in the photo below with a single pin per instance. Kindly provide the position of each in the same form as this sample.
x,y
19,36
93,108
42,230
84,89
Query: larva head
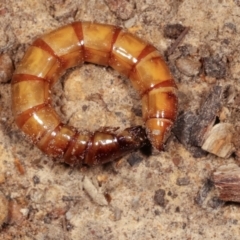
x,y
132,138
158,131
107,146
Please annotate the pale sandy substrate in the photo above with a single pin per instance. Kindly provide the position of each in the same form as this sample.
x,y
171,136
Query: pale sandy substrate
x,y
48,200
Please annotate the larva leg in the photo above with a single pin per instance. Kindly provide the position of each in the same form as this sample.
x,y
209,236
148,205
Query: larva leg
x,y
71,45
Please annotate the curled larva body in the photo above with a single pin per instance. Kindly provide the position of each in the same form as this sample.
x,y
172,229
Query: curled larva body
x,y
48,58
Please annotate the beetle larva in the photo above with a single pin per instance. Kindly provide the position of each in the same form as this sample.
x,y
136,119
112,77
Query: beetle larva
x,y
48,58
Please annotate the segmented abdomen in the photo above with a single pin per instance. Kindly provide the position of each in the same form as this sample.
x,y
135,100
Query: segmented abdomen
x,y
48,58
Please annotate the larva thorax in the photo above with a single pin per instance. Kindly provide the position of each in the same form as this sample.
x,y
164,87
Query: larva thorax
x,y
48,58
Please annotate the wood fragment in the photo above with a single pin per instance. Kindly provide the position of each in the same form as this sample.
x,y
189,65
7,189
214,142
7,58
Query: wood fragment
x,y
199,131
207,116
182,131
92,191
178,41
219,140
183,125
226,180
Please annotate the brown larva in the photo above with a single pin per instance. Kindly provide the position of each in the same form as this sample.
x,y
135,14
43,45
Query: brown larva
x,y
48,58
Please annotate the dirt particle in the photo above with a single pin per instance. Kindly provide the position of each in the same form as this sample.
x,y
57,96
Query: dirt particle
x,y
157,212
122,8
188,66
159,197
183,181
203,192
117,213
36,180
134,159
172,31
215,203
214,67
237,2
177,160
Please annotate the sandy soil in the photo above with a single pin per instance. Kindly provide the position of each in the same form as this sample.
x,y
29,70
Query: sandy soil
x,y
165,196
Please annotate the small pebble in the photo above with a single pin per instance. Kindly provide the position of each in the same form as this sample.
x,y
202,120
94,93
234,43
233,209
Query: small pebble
x,y
122,8
117,214
177,160
214,67
237,2
92,191
159,197
183,181
15,214
36,180
24,211
215,203
130,22
157,212
172,31
37,195
210,80
135,203
134,159
188,66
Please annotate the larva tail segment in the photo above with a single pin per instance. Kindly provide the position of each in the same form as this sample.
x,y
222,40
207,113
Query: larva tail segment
x,y
159,112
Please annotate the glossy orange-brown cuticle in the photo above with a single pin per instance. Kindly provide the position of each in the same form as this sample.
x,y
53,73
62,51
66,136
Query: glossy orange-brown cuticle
x,y
49,57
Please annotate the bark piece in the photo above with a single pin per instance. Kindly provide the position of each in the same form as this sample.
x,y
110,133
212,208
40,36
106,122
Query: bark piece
x,y
219,140
182,131
207,116
172,48
226,179
192,130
